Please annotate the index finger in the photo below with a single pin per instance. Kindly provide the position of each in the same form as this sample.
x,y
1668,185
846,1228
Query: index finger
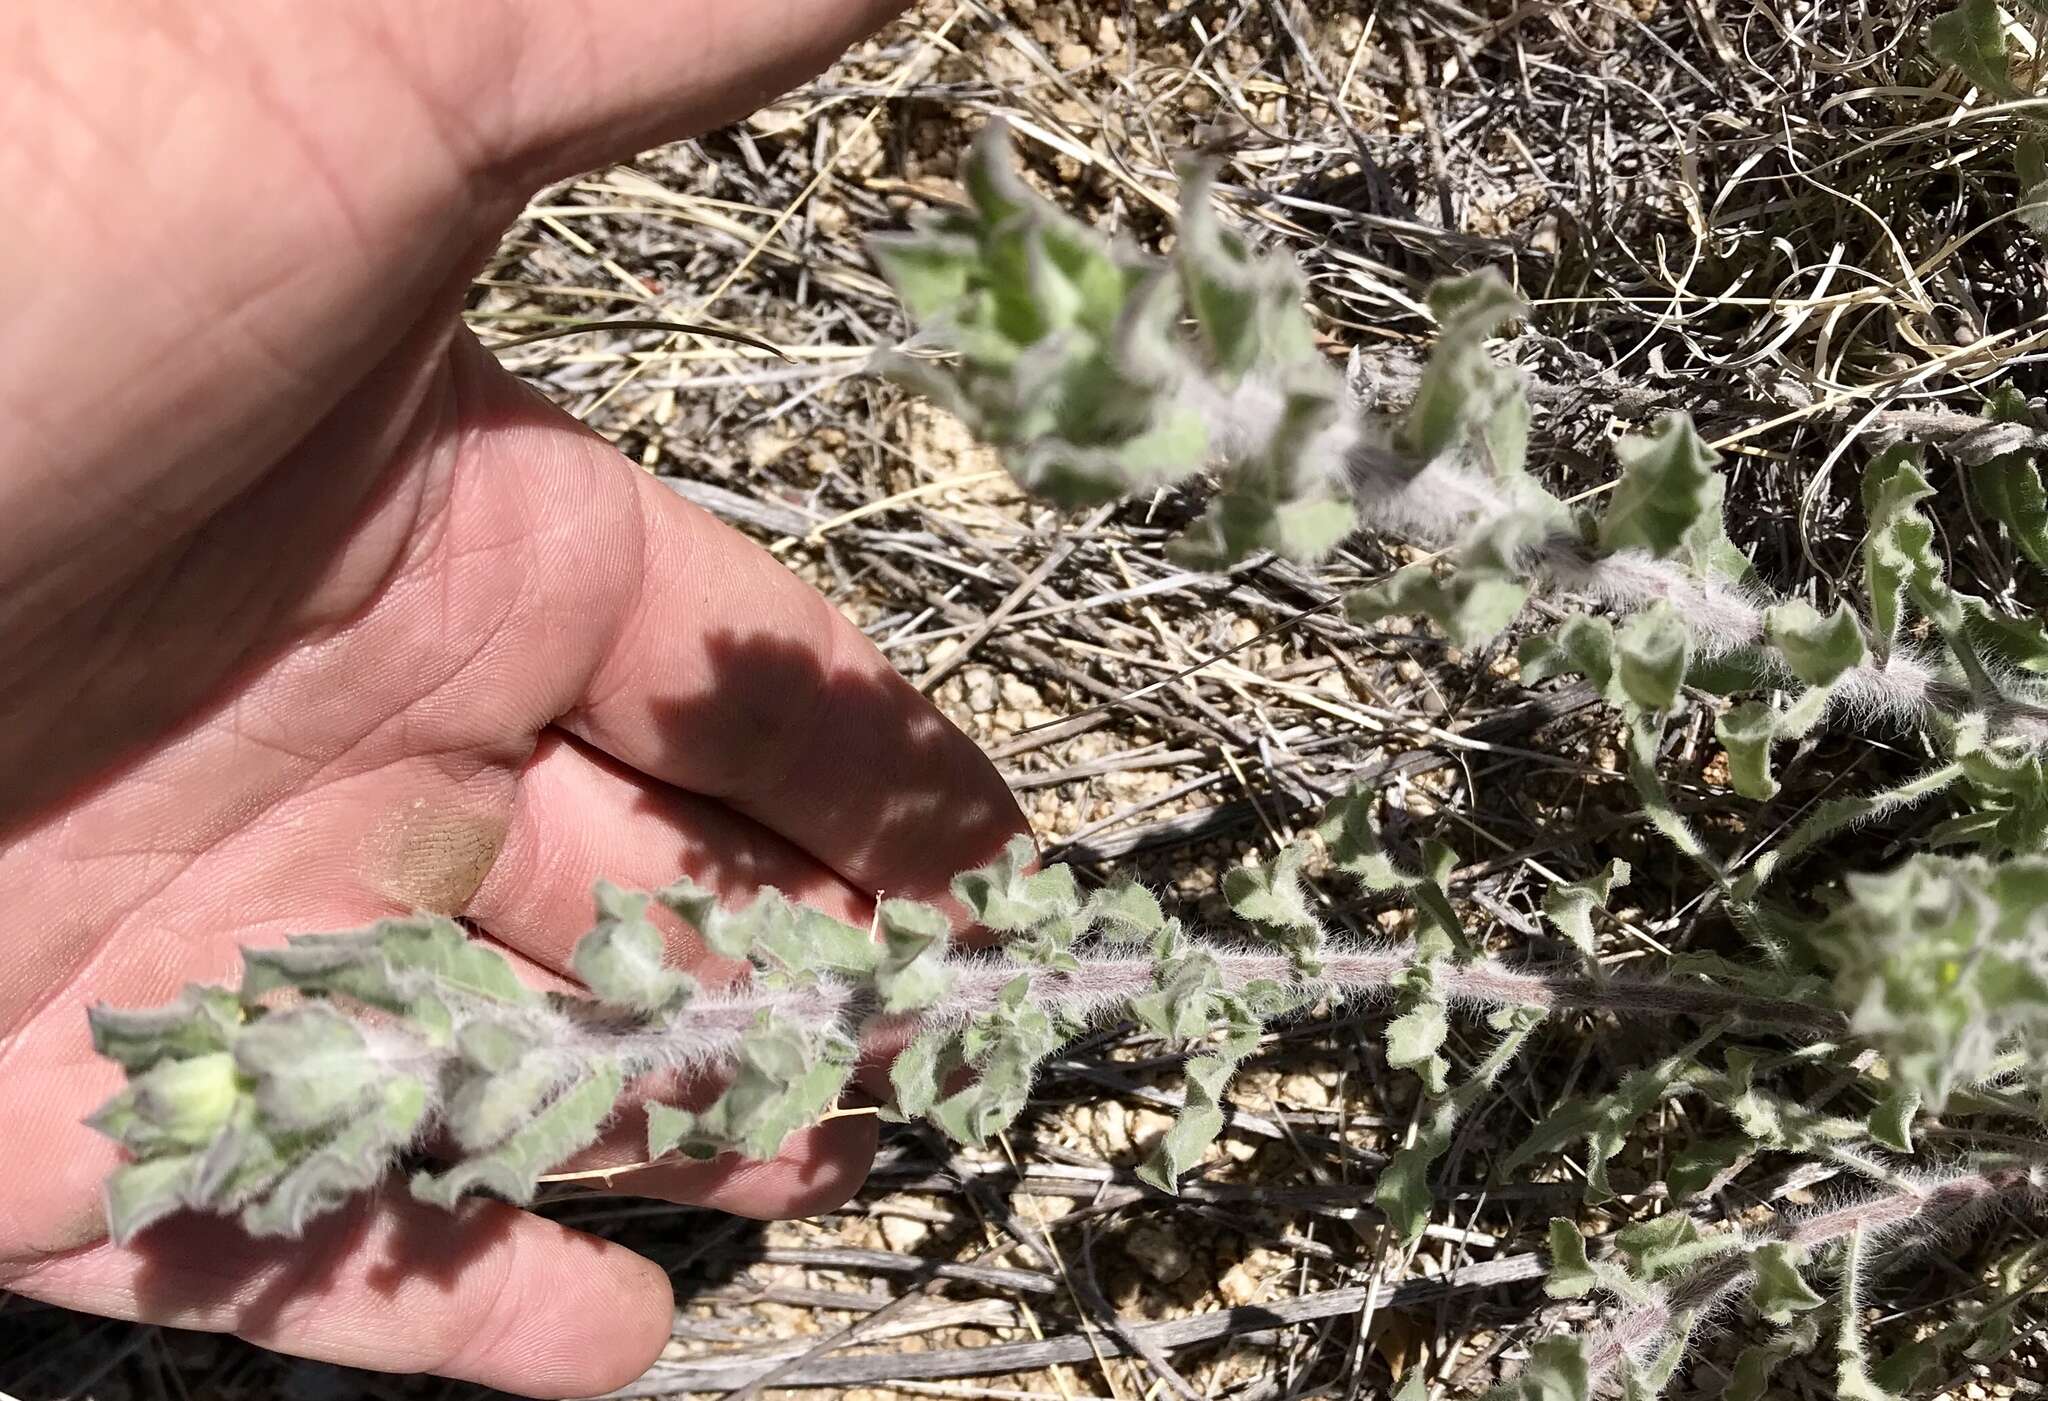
x,y
731,677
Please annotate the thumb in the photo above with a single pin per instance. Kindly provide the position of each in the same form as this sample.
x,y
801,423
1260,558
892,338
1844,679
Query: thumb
x,y
592,83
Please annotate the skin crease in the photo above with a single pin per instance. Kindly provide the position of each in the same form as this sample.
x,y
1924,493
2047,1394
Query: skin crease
x,y
310,614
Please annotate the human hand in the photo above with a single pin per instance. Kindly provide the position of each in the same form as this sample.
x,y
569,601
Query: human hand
x,y
310,614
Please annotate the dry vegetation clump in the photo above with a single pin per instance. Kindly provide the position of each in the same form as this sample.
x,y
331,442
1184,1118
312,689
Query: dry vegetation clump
x,y
1791,221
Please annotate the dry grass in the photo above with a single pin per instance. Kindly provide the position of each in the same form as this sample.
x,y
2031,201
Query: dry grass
x,y
1783,218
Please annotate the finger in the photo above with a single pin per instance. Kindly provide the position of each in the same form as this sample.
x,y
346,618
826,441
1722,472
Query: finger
x,y
391,1284
599,81
579,816
750,687
705,665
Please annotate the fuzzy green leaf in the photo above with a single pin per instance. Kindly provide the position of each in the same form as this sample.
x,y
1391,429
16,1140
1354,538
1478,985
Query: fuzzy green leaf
x,y
1781,1290
1004,1046
202,1019
912,973
174,1106
1461,388
138,1195
511,1169
1571,1272
917,1074
1891,1121
1752,1373
1066,357
1556,1371
1605,1121
783,1083
773,932
930,270
1275,498
486,1108
1699,1165
1402,1193
1125,910
1478,596
1583,645
1414,1038
1180,1149
1667,488
1009,898
492,1045
2009,486
1184,988
1570,906
1652,649
1668,1246
310,1066
1971,39
1247,309
621,958
1892,486
1747,732
353,1160
413,966
1352,834
1817,647
1943,965
1272,896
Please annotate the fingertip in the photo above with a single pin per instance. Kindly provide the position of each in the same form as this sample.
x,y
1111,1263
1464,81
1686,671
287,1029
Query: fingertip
x,y
573,1315
624,1320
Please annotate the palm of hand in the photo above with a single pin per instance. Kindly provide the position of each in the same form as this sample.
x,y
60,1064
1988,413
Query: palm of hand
x,y
442,648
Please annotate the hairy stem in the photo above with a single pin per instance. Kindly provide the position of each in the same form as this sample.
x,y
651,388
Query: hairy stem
x,y
1922,1208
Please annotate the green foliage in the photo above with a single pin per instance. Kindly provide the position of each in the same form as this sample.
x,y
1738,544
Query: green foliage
x,y
2009,486
1668,492
1067,353
1971,39
620,959
1817,647
784,1081
1781,1291
1274,898
1651,650
1944,965
1940,982
912,973
1070,357
1898,555
1479,594
1557,1370
1570,906
1404,1192
1009,897
1605,1121
1747,732
1751,1378
202,1019
512,1166
1463,397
